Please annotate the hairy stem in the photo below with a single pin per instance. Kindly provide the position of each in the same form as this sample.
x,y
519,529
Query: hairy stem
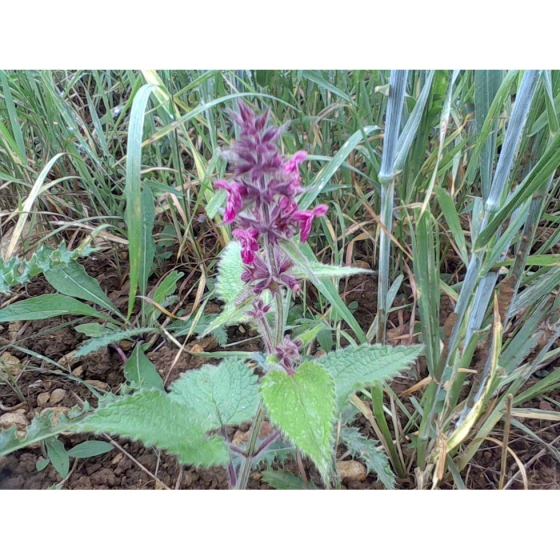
x,y
245,471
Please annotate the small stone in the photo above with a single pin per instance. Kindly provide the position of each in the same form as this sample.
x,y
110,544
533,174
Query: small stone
x,y
117,458
209,343
68,359
10,364
57,396
43,399
351,470
17,418
240,437
78,372
13,330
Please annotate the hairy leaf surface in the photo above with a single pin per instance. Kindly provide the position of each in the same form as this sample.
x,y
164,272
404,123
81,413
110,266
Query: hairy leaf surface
x,y
226,394
302,406
356,367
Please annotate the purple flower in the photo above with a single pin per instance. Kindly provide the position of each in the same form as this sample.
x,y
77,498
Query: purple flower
x,y
305,217
234,199
259,309
288,353
249,243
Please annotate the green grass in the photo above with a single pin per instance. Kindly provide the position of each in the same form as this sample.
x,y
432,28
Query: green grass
x,y
449,191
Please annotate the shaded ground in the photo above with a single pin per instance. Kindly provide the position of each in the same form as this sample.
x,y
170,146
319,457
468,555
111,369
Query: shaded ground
x,y
131,466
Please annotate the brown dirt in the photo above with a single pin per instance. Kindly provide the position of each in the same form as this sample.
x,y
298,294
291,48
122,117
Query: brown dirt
x,y
132,466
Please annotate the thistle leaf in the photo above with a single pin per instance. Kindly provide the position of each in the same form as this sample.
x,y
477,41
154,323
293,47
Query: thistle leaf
x,y
110,338
366,449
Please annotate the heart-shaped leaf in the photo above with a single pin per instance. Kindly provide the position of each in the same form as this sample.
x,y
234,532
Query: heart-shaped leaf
x,y
302,405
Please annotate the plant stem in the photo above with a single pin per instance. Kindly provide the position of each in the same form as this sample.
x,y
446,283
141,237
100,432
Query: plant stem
x,y
245,471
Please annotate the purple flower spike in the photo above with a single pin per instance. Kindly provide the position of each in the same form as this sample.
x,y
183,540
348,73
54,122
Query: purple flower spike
x,y
305,217
261,200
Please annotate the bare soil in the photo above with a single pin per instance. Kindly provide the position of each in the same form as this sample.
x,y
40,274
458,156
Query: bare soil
x,y
132,466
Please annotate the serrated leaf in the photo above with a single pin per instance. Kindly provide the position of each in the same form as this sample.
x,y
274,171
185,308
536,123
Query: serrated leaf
x,y
45,307
204,325
43,426
226,394
58,457
279,451
229,284
141,372
304,258
155,419
230,315
302,406
90,449
356,367
111,338
376,460
17,271
72,280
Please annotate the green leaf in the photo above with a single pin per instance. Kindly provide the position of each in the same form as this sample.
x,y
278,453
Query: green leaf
x,y
167,286
323,177
302,406
45,307
157,420
140,209
320,270
320,81
229,285
58,456
110,338
90,449
43,426
486,85
303,257
141,372
94,330
17,271
226,394
42,464
284,480
356,367
376,460
72,280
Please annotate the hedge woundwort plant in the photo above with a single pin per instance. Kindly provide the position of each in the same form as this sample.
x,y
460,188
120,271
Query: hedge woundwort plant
x,y
259,271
